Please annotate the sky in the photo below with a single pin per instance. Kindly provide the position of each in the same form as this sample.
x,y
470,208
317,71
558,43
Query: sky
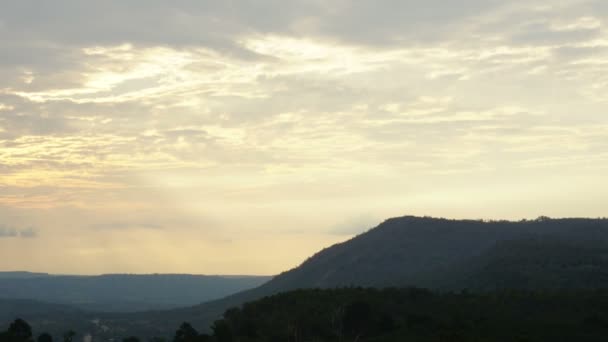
x,y
240,137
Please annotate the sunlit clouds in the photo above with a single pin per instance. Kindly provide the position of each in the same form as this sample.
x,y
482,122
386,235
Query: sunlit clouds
x,y
212,138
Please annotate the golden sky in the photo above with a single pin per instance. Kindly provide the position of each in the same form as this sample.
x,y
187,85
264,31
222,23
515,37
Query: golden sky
x,y
241,137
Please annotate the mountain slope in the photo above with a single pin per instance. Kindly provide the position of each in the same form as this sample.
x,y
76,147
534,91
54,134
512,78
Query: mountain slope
x,y
428,252
412,251
532,263
424,252
409,314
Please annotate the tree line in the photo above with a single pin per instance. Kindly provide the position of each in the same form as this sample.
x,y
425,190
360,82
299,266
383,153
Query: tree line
x,y
394,314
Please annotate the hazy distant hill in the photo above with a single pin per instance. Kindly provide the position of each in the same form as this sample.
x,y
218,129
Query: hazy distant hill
x,y
425,252
123,292
21,275
33,310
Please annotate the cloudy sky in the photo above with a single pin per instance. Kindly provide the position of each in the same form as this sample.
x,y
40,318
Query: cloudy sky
x,y
242,136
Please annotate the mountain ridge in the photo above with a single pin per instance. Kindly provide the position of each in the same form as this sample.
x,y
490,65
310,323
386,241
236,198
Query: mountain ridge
x,y
402,252
435,253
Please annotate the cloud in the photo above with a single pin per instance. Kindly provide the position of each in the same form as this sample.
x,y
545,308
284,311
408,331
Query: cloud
x,y
12,232
125,225
28,233
8,232
151,110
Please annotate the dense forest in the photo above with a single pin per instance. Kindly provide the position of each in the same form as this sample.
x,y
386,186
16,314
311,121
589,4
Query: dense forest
x,y
393,314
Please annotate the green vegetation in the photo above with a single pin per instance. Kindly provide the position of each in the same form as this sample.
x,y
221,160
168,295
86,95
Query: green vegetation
x,y
18,331
407,314
357,314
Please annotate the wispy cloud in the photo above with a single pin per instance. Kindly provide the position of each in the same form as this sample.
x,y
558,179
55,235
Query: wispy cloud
x,y
241,121
126,225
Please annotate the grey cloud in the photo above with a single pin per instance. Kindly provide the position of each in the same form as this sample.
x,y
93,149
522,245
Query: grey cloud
x,y
315,95
538,23
12,232
540,34
192,134
400,21
30,123
125,225
49,36
27,65
177,23
47,57
28,233
8,232
570,53
216,24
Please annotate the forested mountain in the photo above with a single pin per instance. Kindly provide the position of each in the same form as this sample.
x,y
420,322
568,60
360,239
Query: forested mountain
x,y
439,254
452,254
534,263
123,292
413,251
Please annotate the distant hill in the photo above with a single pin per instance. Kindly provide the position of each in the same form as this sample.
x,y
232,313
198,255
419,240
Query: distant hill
x,y
21,275
123,292
33,310
425,252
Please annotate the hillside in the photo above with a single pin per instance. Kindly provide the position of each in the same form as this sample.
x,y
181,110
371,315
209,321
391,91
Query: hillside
x,y
410,314
433,253
412,251
534,263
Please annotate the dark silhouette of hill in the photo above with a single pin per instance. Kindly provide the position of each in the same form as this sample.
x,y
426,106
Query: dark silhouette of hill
x,y
532,263
124,292
438,254
412,251
425,252
415,251
411,314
